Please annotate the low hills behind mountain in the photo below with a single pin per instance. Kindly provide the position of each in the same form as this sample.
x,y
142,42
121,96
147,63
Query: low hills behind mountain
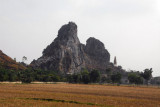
x,y
8,63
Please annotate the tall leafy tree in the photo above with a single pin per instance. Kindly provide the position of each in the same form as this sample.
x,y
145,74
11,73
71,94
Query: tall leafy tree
x,y
116,77
147,75
24,59
85,78
134,78
27,76
76,78
94,76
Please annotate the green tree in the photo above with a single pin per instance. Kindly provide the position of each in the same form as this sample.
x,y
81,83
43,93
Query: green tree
x,y
85,78
70,79
55,78
94,76
116,77
139,80
26,76
14,59
1,75
147,74
76,78
109,71
46,78
11,76
134,78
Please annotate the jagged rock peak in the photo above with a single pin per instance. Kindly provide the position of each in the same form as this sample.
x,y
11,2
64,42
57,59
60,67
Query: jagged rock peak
x,y
67,27
96,50
95,43
68,31
67,37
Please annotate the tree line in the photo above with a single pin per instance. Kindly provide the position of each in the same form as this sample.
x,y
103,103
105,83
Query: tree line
x,y
29,75
94,76
133,77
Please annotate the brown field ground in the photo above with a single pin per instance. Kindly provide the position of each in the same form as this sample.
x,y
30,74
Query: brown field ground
x,y
77,95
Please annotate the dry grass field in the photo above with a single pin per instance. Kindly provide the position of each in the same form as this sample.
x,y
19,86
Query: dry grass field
x,y
77,95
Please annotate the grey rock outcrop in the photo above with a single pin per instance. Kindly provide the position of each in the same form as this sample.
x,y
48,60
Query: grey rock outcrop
x,y
67,55
97,56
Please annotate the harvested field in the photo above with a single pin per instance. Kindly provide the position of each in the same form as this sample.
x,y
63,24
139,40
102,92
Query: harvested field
x,y
77,95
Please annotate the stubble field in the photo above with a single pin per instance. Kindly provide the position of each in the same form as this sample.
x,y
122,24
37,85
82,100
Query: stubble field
x,y
77,95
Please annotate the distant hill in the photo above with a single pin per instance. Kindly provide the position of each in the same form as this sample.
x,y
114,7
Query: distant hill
x,y
8,63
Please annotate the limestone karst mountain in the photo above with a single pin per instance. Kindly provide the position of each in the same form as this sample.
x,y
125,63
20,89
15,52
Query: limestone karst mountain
x,y
67,55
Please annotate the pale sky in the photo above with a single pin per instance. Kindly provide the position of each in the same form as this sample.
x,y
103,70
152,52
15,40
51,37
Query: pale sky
x,y
130,29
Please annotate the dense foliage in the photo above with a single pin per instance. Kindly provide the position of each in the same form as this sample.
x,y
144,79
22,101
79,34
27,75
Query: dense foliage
x,y
116,77
147,74
85,77
135,78
29,75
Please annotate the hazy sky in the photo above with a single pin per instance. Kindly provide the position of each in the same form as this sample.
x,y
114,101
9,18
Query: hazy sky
x,y
130,29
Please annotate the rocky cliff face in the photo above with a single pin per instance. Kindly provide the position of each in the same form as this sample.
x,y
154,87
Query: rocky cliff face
x,y
67,55
96,55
